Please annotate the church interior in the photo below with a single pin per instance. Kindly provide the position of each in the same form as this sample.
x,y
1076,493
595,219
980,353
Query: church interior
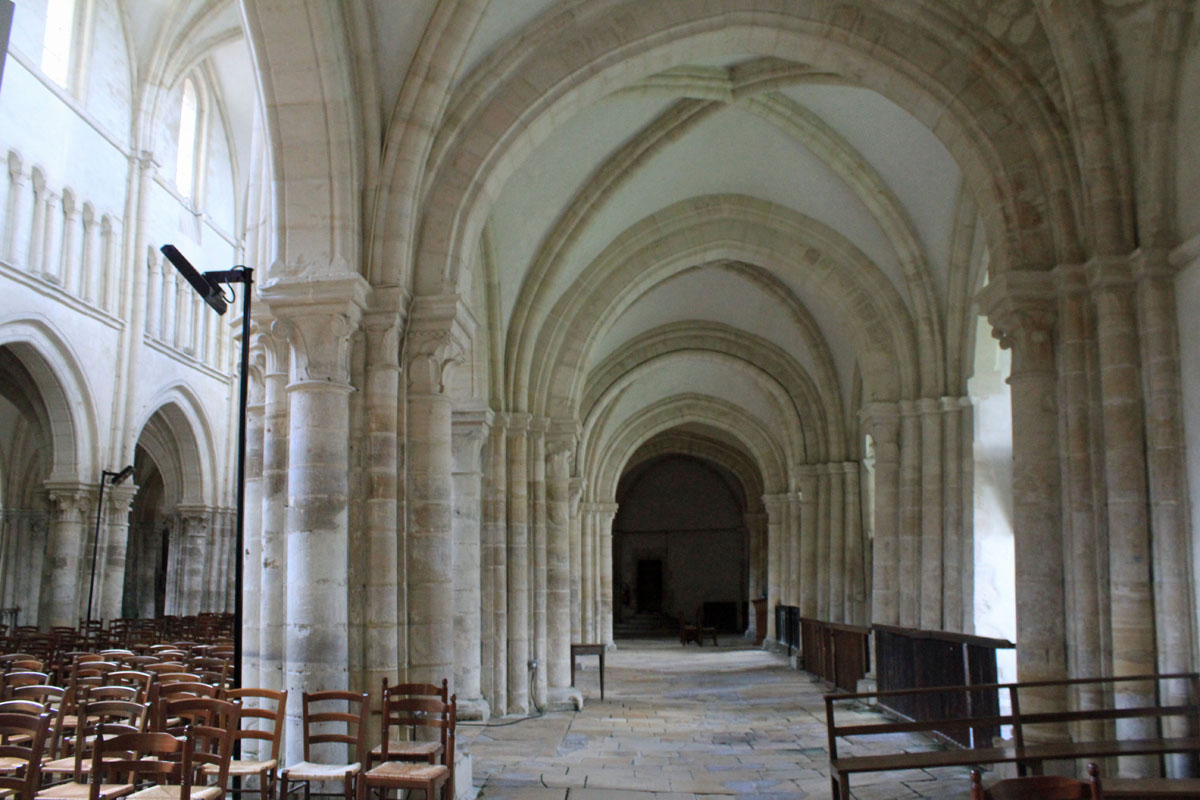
x,y
577,318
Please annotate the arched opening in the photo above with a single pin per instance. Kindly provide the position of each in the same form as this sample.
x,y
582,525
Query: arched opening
x,y
680,546
26,455
148,552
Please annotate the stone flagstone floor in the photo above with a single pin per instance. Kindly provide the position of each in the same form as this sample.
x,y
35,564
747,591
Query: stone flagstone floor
x,y
678,724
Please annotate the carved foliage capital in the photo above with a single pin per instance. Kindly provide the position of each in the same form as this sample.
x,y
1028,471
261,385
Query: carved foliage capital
x,y
431,353
320,346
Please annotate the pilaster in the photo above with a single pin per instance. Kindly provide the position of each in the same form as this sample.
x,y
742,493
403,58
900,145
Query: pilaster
x,y
560,456
882,421
469,432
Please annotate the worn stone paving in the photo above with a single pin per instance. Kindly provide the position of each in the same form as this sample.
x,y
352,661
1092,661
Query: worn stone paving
x,y
678,724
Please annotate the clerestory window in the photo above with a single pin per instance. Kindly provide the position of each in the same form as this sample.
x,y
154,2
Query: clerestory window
x,y
58,41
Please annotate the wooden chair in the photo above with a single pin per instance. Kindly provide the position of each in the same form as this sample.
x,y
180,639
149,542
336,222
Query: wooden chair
x,y
160,759
267,769
395,716
102,718
213,725
687,633
355,720
25,739
1039,787
408,775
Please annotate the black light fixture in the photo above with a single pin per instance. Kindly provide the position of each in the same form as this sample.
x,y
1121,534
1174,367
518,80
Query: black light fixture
x,y
110,479
208,286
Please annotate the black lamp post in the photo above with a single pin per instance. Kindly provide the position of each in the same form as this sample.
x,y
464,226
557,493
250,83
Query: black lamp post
x,y
208,286
112,479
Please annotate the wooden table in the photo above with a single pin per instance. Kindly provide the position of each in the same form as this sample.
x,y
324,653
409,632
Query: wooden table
x,y
588,649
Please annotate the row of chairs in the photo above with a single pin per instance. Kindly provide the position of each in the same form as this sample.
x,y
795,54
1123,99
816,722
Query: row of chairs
x,y
423,760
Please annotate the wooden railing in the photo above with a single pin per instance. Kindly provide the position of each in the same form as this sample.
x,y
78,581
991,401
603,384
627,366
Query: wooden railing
x,y
841,654
787,627
906,658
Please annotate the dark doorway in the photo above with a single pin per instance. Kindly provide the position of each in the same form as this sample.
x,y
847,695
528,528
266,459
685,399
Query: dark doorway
x,y
649,585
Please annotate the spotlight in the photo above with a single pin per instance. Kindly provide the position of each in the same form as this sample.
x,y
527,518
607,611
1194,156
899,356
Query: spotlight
x,y
208,289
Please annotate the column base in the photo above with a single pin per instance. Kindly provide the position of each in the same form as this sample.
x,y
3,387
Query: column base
x,y
610,646
566,699
464,786
474,709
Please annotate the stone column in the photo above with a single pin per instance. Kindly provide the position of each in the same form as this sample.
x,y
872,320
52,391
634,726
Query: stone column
x,y
757,584
537,490
1133,635
824,518
380,535
13,207
469,430
273,565
1021,309
1158,330
68,265
108,270
955,616
837,543
932,515
192,556
316,632
51,238
575,494
589,561
497,510
604,532
560,452
807,474
37,226
252,524
855,589
59,604
154,297
794,583
774,504
517,576
910,515
89,268
433,348
119,501
882,420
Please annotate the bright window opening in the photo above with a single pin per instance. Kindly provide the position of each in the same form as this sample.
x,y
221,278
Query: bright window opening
x,y
56,47
185,163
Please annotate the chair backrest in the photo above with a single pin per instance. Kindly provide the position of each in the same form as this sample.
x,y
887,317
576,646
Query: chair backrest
x,y
329,712
213,725
24,741
140,681
398,712
1040,787
105,718
128,757
273,731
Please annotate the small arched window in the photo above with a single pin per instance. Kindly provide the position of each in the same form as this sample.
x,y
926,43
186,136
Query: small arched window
x,y
58,41
189,118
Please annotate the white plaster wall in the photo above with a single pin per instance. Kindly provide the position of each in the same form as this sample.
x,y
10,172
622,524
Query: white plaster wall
x,y
995,577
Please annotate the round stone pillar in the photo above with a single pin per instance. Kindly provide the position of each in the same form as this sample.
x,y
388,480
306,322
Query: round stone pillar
x,y
910,515
273,561
575,490
316,529
60,594
469,430
252,523
497,515
882,421
604,532
191,557
114,544
1021,309
560,453
518,563
808,540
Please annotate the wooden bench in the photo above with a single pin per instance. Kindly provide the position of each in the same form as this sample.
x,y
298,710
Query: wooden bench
x,y
1028,756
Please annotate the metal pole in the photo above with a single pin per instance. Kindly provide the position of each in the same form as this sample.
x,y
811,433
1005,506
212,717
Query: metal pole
x,y
96,542
240,534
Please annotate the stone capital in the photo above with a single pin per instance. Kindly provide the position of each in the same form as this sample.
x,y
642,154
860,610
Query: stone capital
x,y
431,353
1151,263
575,487
71,501
383,329
519,423
14,167
120,498
1021,306
468,431
1109,272
559,454
317,317
193,516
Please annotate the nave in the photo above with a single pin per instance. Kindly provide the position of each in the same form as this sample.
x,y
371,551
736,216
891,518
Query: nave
x,y
681,723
